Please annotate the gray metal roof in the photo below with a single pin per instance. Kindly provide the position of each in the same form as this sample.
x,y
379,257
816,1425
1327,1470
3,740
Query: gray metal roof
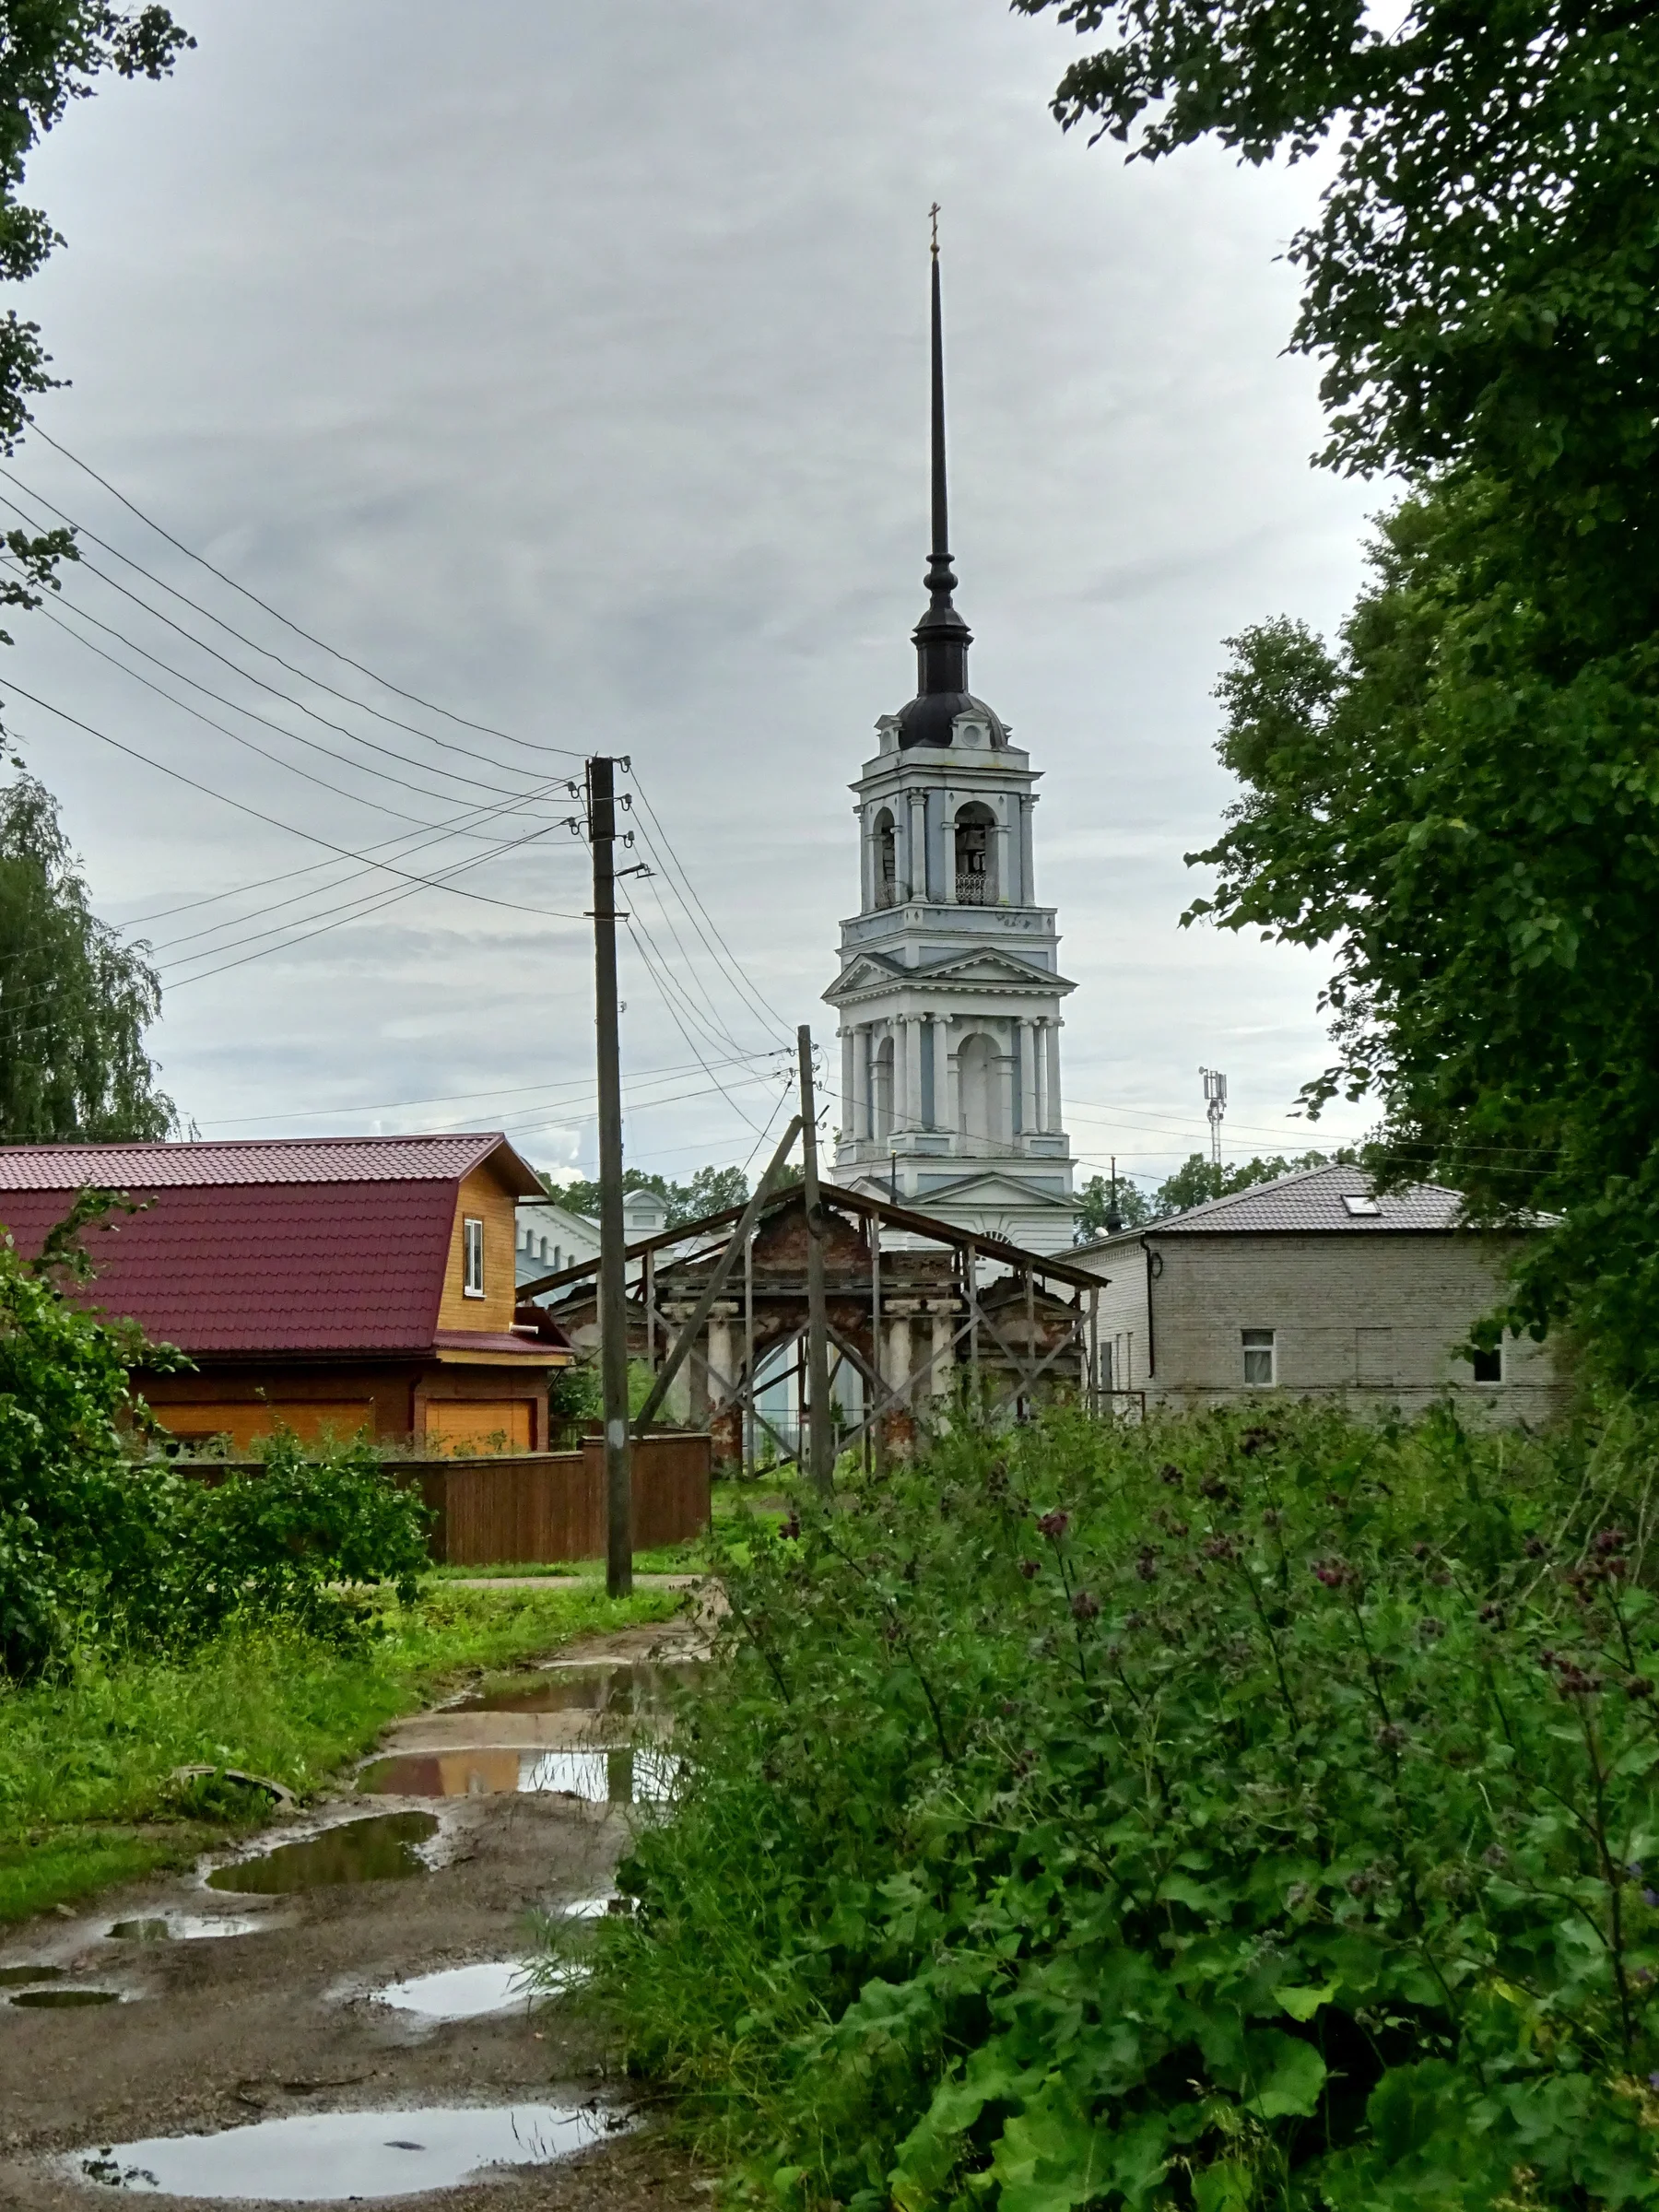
x,y
1313,1200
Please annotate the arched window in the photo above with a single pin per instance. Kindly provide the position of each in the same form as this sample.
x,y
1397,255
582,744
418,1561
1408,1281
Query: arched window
x,y
979,1105
885,860
881,1092
975,867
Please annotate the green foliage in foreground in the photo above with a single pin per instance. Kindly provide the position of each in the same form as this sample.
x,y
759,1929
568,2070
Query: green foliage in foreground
x,y
1205,1816
97,1547
85,1756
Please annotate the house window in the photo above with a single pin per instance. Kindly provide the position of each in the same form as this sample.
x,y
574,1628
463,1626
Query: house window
x,y
1260,1359
1489,1365
472,1257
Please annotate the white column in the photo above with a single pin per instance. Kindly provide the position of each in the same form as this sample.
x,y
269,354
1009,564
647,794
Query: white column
x,y
939,1375
899,1346
948,845
721,1370
1010,1073
912,1071
918,843
866,860
1040,1073
1029,1122
941,1072
1028,868
953,1089
1053,1078
847,1112
1005,889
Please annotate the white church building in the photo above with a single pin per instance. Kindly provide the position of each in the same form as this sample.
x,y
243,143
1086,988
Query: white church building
x,y
949,991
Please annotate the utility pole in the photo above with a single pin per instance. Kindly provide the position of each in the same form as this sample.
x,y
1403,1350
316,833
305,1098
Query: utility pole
x,y
820,1454
613,1269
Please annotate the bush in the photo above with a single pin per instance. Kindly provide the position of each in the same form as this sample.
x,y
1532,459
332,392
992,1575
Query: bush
x,y
272,1545
1210,1816
95,1545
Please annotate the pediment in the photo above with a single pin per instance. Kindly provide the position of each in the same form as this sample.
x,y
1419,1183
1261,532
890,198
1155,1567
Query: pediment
x,y
867,971
988,967
991,1187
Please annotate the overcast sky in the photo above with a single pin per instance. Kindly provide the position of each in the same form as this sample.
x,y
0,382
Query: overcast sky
x,y
566,367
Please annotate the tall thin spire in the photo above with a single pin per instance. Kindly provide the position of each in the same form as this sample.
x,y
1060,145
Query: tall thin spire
x,y
938,577
942,637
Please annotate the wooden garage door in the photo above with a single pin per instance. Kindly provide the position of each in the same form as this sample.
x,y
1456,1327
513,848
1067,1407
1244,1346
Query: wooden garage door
x,y
310,1420
479,1424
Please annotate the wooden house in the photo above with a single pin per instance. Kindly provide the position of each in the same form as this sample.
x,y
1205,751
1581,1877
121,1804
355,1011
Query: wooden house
x,y
332,1285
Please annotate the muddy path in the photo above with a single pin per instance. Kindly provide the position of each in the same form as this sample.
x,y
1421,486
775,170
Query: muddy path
x,y
261,2005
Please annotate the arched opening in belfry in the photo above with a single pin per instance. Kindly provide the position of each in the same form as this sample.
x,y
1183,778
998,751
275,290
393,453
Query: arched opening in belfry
x,y
978,1118
975,865
887,860
881,1092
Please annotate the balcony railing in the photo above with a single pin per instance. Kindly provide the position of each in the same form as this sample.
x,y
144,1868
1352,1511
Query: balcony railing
x,y
974,890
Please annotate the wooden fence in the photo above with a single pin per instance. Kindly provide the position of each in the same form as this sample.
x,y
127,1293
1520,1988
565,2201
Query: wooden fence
x,y
541,1506
550,1505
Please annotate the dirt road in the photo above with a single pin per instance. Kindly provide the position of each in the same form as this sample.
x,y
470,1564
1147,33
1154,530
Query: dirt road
x,y
220,2031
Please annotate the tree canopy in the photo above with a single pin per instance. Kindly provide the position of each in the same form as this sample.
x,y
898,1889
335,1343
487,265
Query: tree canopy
x,y
1479,279
53,52
1197,1180
75,1001
1460,795
709,1191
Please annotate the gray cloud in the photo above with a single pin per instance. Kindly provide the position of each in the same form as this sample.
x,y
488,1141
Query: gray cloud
x,y
567,366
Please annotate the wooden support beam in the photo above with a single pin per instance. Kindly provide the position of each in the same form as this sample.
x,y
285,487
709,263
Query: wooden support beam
x,y
716,1283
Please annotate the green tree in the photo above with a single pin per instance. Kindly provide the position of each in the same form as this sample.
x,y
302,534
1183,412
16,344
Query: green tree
x,y
53,52
1480,280
1460,797
1101,1201
1198,1180
1469,813
75,1001
1194,1183
711,1191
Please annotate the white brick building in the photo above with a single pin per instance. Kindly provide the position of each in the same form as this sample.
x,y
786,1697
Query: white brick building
x,y
1312,1287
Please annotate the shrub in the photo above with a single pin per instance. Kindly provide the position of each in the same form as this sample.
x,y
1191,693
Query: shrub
x,y
271,1545
95,1545
1211,1815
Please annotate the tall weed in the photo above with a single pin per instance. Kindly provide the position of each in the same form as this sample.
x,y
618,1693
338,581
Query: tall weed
x,y
1217,1814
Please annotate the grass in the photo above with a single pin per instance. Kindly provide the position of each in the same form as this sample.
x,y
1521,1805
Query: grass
x,y
85,1799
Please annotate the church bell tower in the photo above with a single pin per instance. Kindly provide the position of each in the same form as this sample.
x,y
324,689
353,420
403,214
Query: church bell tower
x,y
949,991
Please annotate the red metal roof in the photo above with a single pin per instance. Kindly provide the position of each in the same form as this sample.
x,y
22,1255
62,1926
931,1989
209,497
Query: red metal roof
x,y
328,1246
261,1159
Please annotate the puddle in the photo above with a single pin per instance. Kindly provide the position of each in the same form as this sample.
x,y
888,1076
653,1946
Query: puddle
x,y
625,1687
20,1977
626,1776
191,1927
55,1998
461,1993
326,2158
378,1850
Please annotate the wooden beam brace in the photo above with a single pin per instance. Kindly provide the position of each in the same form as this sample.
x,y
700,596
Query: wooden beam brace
x,y
715,1284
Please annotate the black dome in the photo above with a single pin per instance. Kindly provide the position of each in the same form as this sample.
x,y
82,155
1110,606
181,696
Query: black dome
x,y
929,718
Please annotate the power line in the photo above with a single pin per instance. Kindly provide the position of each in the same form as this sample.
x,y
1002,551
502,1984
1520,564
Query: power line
x,y
242,806
470,783
349,910
669,855
641,943
456,1098
460,721
288,768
